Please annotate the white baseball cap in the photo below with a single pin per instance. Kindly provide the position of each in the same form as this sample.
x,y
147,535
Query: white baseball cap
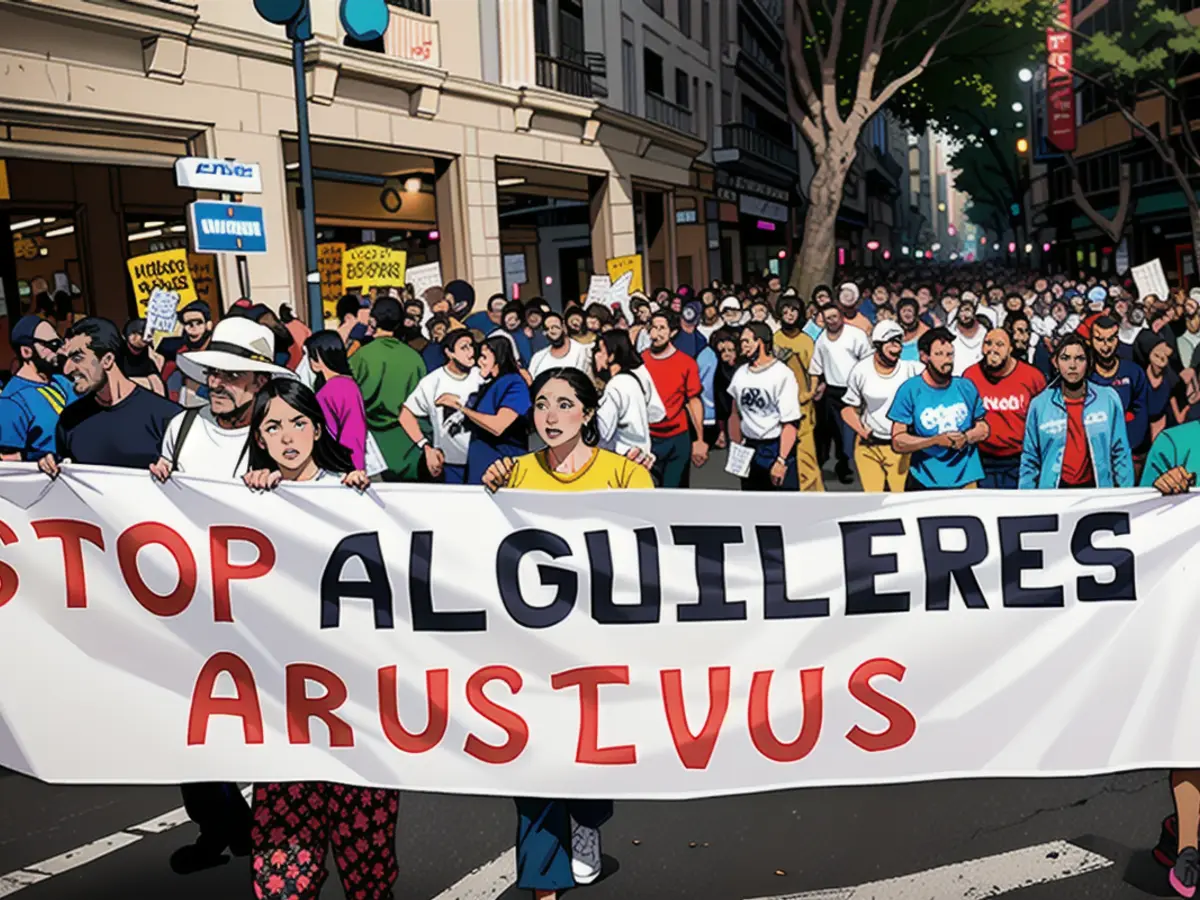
x,y
886,331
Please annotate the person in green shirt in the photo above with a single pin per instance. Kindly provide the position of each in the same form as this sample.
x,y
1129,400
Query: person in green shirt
x,y
1171,468
387,371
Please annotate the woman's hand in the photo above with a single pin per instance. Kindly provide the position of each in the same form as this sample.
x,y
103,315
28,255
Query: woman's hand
x,y
262,480
358,479
448,401
641,457
498,473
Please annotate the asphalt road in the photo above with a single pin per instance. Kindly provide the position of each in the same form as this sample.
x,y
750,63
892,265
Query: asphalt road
x,y
1051,839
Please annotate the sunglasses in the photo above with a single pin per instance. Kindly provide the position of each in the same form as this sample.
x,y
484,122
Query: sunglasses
x,y
52,345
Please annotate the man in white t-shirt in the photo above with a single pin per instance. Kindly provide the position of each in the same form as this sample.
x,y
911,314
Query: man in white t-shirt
x,y
563,352
836,352
446,455
212,441
872,387
765,412
968,333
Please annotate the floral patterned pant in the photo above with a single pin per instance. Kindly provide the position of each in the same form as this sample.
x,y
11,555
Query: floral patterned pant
x,y
295,822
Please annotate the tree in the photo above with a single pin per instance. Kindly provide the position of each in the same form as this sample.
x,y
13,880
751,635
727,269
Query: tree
x,y
848,59
1154,56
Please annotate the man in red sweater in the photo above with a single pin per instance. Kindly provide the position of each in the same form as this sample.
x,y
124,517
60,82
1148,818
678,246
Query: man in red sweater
x,y
1007,385
677,379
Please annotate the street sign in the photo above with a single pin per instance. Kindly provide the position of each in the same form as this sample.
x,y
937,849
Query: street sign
x,y
217,227
224,175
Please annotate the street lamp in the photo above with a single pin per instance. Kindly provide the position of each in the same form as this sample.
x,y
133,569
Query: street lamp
x,y
993,132
1018,106
1026,76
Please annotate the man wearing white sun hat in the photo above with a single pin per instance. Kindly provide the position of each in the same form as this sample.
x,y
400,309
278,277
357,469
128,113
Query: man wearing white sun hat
x,y
211,441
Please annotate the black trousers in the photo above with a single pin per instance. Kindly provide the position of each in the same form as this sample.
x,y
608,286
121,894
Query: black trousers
x,y
219,809
829,427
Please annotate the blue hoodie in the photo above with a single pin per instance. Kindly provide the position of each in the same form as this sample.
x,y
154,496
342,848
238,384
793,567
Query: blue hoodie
x,y
1046,439
1134,390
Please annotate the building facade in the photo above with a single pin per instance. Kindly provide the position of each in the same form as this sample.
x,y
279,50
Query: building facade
x,y
511,141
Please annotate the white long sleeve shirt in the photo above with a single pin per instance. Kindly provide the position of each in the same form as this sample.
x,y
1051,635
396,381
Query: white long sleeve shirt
x,y
628,406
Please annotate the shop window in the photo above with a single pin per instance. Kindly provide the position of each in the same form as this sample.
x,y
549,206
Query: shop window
x,y
48,275
154,233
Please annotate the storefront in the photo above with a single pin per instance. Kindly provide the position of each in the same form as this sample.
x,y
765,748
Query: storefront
x,y
758,246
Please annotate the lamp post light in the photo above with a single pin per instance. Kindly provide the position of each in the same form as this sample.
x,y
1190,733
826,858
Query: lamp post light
x,y
1025,75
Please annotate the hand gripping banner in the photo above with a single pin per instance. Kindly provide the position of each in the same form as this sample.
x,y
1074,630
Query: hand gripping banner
x,y
623,644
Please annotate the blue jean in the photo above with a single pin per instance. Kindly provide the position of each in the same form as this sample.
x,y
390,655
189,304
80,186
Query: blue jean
x,y
1000,473
765,454
544,839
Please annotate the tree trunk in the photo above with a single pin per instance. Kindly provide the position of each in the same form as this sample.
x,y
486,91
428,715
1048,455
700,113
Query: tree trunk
x,y
816,261
1194,216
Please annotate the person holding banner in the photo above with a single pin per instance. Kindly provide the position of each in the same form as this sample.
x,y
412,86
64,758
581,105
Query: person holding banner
x,y
558,841
341,400
1075,434
36,395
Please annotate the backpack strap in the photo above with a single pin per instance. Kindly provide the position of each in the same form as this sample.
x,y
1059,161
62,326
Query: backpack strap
x,y
189,418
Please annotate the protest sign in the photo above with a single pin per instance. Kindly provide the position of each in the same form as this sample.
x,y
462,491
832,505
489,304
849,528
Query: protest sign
x,y
372,265
203,269
161,313
423,277
618,296
514,271
329,267
1150,279
167,270
622,264
700,646
598,288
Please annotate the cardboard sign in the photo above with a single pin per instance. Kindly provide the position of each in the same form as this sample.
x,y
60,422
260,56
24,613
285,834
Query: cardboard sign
x,y
598,289
167,270
514,269
622,264
329,267
1151,279
373,266
423,277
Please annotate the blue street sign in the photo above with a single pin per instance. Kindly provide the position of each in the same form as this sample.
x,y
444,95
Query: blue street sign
x,y
226,227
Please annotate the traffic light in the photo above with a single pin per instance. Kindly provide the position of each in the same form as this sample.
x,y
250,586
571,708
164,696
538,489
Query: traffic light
x,y
1022,146
364,20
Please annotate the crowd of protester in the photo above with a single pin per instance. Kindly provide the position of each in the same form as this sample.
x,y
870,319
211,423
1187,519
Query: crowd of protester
x,y
917,380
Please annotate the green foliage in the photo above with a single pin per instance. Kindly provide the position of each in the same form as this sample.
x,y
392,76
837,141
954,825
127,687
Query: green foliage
x,y
1152,54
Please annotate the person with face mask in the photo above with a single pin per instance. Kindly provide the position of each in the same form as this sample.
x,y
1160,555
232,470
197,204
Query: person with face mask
x,y
939,419
562,351
1007,386
36,395
1074,434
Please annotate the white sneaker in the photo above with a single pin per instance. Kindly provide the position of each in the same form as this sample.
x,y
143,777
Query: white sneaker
x,y
585,853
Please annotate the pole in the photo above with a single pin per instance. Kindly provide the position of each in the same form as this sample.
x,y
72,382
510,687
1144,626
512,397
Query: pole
x,y
243,267
316,316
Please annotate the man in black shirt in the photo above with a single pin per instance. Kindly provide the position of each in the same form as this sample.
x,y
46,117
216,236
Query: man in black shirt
x,y
115,422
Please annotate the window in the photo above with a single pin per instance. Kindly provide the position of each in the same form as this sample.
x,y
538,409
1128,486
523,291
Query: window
x,y
656,5
709,104
652,69
705,24
570,31
685,17
541,28
629,73
681,89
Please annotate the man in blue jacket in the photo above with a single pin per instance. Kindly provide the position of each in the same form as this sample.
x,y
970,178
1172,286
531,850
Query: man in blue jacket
x,y
1075,433
1110,369
35,397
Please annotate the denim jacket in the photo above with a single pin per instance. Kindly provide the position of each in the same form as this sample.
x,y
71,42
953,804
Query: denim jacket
x,y
1046,439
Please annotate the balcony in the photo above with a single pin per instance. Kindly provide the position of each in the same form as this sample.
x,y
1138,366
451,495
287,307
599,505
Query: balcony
x,y
664,112
413,37
570,77
745,139
771,9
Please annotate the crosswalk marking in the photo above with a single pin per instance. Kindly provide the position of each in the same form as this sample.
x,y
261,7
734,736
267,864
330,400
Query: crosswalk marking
x,y
988,876
487,882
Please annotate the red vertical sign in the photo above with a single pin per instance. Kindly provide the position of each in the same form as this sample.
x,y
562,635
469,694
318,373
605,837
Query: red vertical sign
x,y
1060,84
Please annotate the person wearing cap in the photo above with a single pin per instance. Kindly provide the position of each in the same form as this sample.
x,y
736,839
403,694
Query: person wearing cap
x,y
848,301
870,390
766,412
732,313
1007,386
461,297
387,371
36,395
197,324
689,339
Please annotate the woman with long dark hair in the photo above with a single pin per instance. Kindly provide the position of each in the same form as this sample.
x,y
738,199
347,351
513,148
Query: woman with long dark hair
x,y
295,822
629,403
338,393
496,413
558,841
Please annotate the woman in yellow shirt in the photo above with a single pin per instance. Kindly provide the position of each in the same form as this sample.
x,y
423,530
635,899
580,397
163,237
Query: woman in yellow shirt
x,y
558,841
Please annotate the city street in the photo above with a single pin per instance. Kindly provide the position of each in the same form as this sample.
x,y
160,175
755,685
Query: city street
x,y
1060,838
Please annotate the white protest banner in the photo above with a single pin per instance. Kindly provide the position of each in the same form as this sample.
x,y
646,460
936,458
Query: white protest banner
x,y
161,313
598,288
1150,279
621,644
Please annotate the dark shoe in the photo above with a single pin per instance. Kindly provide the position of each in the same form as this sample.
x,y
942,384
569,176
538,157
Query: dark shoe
x,y
206,853
1185,874
844,473
240,845
1168,842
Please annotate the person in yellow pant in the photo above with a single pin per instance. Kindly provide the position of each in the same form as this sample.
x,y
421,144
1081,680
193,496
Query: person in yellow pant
x,y
872,385
794,347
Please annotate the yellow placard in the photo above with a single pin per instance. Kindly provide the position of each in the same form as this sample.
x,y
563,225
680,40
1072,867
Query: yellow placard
x,y
4,192
329,266
622,264
203,268
372,266
167,269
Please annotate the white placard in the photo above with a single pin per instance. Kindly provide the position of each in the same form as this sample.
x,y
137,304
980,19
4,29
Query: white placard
x,y
423,277
618,294
514,270
161,312
598,288
1151,279
737,463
